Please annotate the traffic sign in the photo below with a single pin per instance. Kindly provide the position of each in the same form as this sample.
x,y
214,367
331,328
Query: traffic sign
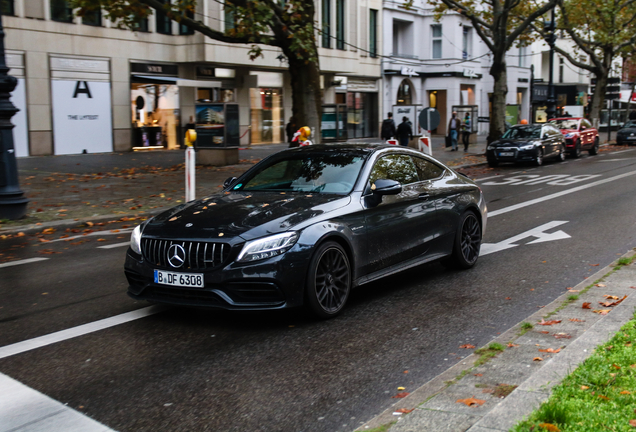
x,y
429,118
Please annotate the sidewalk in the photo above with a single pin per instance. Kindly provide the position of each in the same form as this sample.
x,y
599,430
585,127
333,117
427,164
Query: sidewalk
x,y
514,383
66,190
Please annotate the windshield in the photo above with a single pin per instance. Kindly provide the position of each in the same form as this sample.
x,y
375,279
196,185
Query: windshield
x,y
316,172
521,132
630,124
566,124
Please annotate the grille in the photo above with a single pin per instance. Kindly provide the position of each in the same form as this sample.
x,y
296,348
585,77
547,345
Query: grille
x,y
198,255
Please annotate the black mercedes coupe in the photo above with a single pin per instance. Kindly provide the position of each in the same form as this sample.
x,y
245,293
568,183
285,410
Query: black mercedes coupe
x,y
304,227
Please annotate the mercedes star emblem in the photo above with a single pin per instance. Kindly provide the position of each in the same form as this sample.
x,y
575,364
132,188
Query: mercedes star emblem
x,y
176,255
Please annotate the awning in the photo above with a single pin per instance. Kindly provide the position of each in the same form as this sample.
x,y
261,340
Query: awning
x,y
181,82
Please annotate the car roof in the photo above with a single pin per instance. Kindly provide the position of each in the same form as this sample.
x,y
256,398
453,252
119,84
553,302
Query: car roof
x,y
566,118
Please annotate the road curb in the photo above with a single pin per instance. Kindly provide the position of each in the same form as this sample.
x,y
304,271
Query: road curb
x,y
515,409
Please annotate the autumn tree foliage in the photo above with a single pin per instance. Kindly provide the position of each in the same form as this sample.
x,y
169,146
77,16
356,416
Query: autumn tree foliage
x,y
602,30
287,25
501,24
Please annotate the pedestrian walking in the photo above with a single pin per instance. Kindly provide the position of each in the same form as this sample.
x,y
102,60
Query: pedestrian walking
x,y
404,131
290,130
466,131
388,128
453,130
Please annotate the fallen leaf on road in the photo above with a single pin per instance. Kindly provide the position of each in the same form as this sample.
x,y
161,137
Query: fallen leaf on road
x,y
479,374
101,239
586,305
562,336
576,320
594,265
404,410
610,304
551,322
512,345
600,285
90,224
401,395
467,346
401,388
550,350
537,359
471,401
572,290
545,332
610,297
508,298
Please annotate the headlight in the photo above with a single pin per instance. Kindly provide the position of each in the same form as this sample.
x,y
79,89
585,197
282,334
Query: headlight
x,y
491,147
267,247
527,147
135,240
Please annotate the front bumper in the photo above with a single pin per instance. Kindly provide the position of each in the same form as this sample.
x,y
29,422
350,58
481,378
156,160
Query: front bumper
x,y
273,283
511,155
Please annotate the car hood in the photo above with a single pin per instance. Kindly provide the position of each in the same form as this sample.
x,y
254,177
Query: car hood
x,y
513,142
247,215
569,131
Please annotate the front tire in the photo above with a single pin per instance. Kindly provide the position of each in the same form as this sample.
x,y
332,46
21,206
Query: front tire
x,y
539,158
562,153
577,150
466,244
328,281
594,150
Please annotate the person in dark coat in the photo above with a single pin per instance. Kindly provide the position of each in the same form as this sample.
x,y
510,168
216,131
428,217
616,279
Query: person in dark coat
x,y
290,130
388,128
404,132
632,115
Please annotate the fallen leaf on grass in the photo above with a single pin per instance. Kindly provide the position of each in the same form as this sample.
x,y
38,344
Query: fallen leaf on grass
x,y
551,322
603,397
586,305
625,392
632,423
584,387
467,346
471,401
400,395
550,350
615,366
549,427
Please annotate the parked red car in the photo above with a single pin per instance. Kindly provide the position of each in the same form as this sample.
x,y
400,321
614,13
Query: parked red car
x,y
579,135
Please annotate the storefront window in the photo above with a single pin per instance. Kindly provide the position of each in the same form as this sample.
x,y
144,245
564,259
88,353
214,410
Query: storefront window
x,y
267,115
362,114
404,96
215,95
155,115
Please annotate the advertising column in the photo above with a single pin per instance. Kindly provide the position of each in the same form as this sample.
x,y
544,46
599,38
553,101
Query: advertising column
x,y
81,101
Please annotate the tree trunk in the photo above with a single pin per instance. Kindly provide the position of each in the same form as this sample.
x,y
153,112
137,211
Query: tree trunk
x,y
306,94
598,98
500,90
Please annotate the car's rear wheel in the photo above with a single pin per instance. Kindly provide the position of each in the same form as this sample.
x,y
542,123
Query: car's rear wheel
x,y
562,153
467,243
594,150
329,280
538,160
576,153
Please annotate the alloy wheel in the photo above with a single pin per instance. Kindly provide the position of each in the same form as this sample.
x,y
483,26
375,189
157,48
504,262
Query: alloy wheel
x,y
470,239
332,280
539,159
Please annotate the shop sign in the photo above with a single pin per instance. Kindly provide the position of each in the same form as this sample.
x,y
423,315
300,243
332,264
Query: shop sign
x,y
362,85
470,73
205,72
81,117
483,119
408,71
79,65
154,68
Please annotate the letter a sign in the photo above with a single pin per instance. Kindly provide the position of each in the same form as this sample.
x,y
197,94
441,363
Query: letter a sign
x,y
79,89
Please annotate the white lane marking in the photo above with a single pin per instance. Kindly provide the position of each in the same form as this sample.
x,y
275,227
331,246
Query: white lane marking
x,y
94,233
25,409
39,342
538,232
623,151
558,194
616,160
24,261
110,246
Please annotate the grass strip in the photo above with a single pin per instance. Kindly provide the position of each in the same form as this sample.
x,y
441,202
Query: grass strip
x,y
599,395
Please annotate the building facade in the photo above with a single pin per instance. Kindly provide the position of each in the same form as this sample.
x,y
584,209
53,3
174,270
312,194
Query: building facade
x,y
444,65
86,86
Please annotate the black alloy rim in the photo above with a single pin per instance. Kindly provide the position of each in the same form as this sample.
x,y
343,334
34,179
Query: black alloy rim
x,y
577,149
562,155
332,280
471,239
539,157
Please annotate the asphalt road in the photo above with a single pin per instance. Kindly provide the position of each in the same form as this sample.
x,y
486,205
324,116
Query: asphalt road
x,y
183,370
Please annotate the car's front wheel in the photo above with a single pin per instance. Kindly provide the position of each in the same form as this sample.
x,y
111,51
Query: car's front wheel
x,y
538,160
562,153
576,153
467,243
594,150
329,280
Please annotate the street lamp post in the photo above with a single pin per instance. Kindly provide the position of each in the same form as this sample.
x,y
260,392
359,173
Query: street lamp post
x,y
13,203
551,109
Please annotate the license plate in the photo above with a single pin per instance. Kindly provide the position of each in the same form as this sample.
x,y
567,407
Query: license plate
x,y
179,279
504,154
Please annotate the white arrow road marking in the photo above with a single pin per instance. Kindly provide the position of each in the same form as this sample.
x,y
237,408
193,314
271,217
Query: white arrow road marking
x,y
538,232
24,261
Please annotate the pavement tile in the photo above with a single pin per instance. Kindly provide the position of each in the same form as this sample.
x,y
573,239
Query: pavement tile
x,y
506,414
435,421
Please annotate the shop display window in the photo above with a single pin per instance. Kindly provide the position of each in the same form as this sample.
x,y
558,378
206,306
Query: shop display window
x,y
155,115
219,95
267,115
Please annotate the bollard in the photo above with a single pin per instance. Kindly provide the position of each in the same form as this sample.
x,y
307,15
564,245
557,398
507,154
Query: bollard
x,y
190,165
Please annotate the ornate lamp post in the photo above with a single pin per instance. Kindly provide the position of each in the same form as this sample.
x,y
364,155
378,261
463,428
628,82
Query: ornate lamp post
x,y
13,203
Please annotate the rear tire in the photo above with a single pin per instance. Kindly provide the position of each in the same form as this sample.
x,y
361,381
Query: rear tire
x,y
466,244
594,150
328,280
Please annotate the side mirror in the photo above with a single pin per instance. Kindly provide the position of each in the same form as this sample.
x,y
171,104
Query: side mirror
x,y
386,187
228,182
583,128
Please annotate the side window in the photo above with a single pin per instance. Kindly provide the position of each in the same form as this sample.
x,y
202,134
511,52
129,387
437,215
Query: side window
x,y
586,123
427,170
394,167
